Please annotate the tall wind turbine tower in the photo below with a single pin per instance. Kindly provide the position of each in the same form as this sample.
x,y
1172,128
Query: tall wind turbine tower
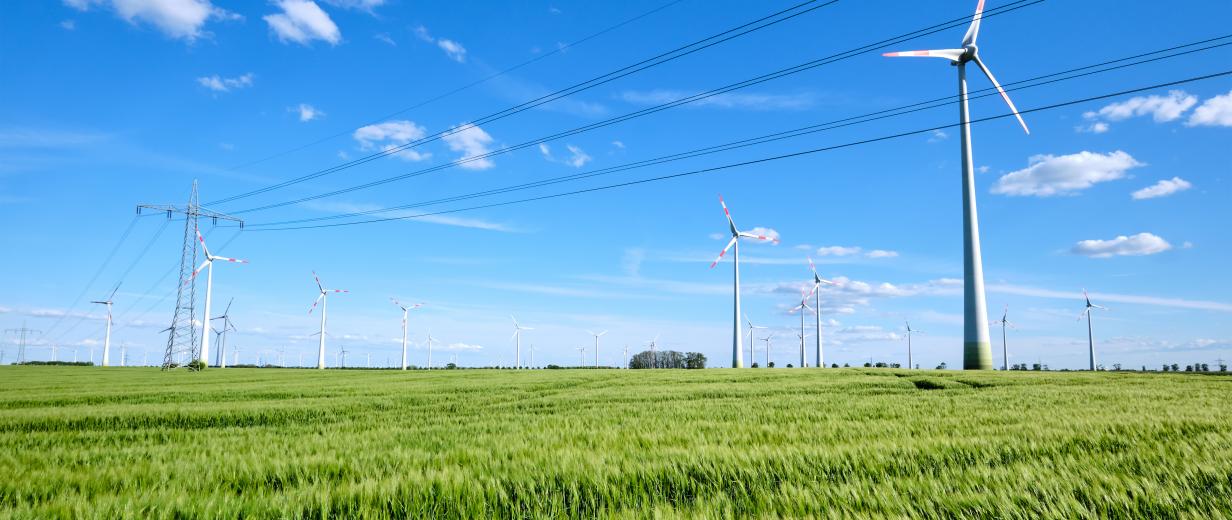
x,y
227,326
819,354
767,340
517,336
107,336
977,348
429,349
405,310
801,308
1005,322
1090,335
209,288
737,349
581,356
324,301
751,327
596,345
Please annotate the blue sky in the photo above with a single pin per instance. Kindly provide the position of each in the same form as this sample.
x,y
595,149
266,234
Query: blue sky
x,y
105,104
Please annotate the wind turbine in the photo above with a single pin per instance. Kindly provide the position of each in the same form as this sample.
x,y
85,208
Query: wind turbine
x,y
107,337
654,352
767,340
532,354
1005,322
209,286
321,299
429,349
582,355
737,349
222,334
405,310
517,336
977,348
817,281
1090,335
910,331
751,328
626,355
803,305
596,345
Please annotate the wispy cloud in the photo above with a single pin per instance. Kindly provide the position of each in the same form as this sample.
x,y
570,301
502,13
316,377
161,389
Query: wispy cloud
x,y
1216,111
1137,245
308,112
452,49
577,157
1163,188
472,141
178,19
390,135
1076,297
302,21
411,216
1053,175
217,83
1161,108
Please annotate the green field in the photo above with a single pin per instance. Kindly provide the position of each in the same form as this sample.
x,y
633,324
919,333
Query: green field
x,y
136,442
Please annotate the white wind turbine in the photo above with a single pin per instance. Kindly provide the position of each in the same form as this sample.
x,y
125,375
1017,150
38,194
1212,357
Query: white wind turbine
x,y
596,344
582,356
517,336
222,334
977,348
816,294
751,328
1090,336
107,337
910,331
405,310
737,349
1005,322
654,351
209,286
801,308
429,349
767,340
324,301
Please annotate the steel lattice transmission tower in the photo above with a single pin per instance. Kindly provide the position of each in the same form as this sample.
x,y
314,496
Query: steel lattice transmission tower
x,y
182,344
22,333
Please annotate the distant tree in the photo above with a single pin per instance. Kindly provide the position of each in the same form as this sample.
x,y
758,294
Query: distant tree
x,y
196,365
833,365
770,364
846,365
1189,368
1223,368
451,366
755,365
1116,367
1176,367
1166,367
789,365
942,366
694,360
1206,368
868,365
1037,367
895,365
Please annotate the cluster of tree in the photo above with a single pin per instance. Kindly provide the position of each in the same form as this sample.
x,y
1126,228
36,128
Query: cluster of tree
x,y
1199,367
1033,366
881,364
59,363
668,359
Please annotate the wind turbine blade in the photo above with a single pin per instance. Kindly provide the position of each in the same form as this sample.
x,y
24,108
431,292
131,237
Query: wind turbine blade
x,y
602,333
515,322
1004,96
113,292
727,214
1101,307
949,54
973,31
318,279
314,303
729,246
337,290
194,274
758,237
236,260
227,311
202,240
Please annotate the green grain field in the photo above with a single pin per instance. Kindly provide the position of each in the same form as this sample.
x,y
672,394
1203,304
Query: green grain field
x,y
135,442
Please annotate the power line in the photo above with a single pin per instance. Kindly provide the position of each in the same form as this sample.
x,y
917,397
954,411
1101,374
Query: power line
x,y
94,278
465,87
765,159
665,57
807,130
664,106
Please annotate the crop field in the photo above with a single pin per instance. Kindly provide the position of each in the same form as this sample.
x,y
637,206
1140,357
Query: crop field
x,y
136,442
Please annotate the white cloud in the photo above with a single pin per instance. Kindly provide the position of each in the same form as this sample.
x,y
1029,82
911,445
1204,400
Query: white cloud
x,y
1216,111
881,253
411,216
938,136
463,347
618,144
221,84
359,5
302,21
1137,245
390,135
1051,175
838,251
472,141
769,233
68,25
1097,127
385,38
754,101
1163,188
308,112
1161,108
577,157
454,50
865,334
182,19
1036,292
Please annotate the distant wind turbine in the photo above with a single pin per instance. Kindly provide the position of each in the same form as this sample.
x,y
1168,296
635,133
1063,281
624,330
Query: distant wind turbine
x,y
1090,335
910,331
1005,322
801,308
405,310
582,355
751,328
818,355
517,336
767,340
654,352
596,344
977,348
107,337
209,289
222,334
324,301
737,349
429,349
